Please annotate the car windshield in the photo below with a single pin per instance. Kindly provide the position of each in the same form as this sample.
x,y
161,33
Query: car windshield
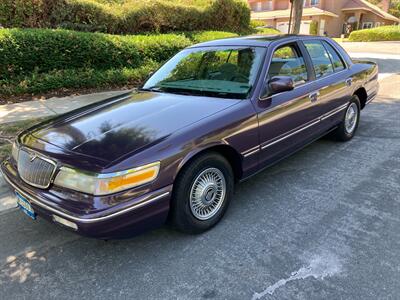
x,y
226,72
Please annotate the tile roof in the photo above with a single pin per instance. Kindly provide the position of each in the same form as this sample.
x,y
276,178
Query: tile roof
x,y
363,4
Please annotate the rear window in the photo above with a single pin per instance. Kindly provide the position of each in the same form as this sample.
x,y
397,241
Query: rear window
x,y
320,58
338,64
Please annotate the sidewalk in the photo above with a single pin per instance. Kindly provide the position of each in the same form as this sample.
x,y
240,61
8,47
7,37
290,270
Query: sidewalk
x,y
53,106
381,47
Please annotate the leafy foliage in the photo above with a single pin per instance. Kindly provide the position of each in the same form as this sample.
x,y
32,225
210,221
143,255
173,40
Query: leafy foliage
x,y
43,50
40,60
383,33
314,27
266,31
127,16
204,36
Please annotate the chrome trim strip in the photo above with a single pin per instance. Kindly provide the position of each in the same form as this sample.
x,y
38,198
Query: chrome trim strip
x,y
371,98
333,112
290,134
82,220
321,118
252,152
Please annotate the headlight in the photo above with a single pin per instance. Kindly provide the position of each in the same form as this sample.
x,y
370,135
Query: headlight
x,y
14,151
103,184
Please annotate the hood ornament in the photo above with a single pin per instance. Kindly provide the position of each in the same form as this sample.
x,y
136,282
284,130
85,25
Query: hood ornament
x,y
32,157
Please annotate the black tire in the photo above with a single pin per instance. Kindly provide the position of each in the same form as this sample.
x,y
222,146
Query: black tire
x,y
181,214
341,133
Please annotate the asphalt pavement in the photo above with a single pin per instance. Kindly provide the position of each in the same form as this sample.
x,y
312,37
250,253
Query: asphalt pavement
x,y
322,224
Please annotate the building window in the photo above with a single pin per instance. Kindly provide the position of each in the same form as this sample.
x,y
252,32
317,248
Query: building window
x,y
267,5
314,2
259,6
367,25
377,24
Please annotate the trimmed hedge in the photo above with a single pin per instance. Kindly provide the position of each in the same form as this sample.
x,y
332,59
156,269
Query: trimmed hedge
x,y
24,51
383,33
127,16
39,60
75,78
266,31
204,36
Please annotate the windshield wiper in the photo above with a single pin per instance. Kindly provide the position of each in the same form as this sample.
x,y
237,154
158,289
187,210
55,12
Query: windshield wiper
x,y
151,89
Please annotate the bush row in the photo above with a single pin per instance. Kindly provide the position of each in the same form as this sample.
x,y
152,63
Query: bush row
x,y
39,60
127,16
81,78
383,33
41,50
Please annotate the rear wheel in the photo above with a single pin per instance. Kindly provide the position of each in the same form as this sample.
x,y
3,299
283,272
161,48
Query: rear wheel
x,y
349,124
202,192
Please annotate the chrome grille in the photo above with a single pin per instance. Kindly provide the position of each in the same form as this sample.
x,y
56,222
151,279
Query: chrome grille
x,y
35,169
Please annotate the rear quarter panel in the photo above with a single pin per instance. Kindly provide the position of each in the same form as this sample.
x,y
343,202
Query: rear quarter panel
x,y
366,75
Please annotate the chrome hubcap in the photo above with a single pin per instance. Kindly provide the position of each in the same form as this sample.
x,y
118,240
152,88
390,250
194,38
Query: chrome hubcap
x,y
350,120
207,194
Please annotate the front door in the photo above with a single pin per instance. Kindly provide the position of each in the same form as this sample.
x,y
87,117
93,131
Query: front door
x,y
286,120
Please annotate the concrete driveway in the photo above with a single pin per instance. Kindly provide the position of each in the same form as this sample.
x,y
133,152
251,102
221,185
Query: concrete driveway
x,y
323,224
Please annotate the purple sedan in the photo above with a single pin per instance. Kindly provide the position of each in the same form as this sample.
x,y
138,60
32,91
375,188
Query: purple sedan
x,y
213,115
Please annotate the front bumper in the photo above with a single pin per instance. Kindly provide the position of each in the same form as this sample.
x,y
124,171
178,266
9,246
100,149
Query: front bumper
x,y
117,220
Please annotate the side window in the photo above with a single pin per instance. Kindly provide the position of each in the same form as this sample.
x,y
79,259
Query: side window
x,y
338,64
287,61
320,58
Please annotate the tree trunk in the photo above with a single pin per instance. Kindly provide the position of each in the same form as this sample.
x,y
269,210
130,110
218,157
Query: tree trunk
x,y
297,14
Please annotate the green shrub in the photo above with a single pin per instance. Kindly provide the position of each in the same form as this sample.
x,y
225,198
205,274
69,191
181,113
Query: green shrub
x,y
256,23
75,79
204,36
127,16
266,31
42,50
85,15
383,33
314,28
228,15
40,60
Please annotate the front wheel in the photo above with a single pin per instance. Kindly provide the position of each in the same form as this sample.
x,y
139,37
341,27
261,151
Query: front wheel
x,y
202,193
349,124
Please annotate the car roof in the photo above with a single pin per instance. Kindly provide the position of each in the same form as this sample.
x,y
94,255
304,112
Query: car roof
x,y
251,41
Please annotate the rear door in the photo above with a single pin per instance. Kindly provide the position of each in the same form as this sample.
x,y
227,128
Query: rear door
x,y
331,82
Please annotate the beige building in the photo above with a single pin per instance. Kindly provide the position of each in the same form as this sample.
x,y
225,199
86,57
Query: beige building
x,y
330,17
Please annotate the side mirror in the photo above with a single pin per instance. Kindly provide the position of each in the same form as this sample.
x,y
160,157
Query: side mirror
x,y
279,84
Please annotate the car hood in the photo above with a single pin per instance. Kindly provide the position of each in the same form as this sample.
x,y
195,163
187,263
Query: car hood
x,y
127,124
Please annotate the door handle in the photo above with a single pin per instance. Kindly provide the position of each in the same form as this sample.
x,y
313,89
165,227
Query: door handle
x,y
313,96
349,81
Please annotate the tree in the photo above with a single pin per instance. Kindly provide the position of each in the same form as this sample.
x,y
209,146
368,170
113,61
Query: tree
x,y
297,7
395,8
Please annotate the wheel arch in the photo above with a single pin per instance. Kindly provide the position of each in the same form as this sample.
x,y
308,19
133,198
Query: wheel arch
x,y
361,93
227,151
